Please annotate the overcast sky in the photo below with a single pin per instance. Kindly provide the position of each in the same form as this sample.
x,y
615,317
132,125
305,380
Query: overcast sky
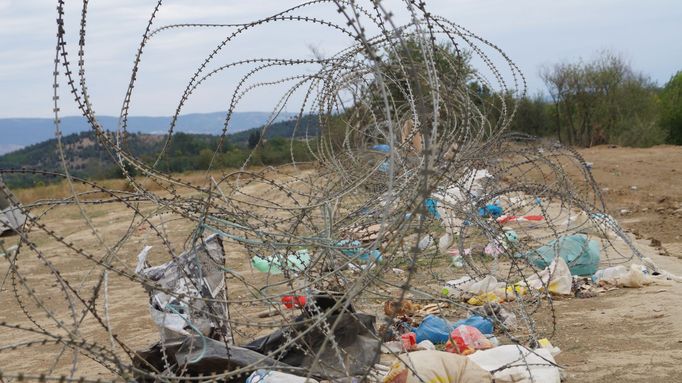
x,y
534,33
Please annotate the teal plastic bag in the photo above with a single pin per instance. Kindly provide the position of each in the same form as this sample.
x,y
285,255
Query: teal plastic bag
x,y
580,253
353,249
273,265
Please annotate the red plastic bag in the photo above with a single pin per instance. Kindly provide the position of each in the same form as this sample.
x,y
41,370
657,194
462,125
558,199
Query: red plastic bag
x,y
409,340
289,301
465,340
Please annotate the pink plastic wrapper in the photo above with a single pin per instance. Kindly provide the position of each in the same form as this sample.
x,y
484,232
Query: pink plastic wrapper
x,y
466,340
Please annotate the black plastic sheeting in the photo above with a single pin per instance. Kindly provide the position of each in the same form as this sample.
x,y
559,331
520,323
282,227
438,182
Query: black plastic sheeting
x,y
353,352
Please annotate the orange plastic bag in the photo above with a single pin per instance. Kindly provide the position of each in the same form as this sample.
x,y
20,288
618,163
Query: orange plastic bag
x,y
465,340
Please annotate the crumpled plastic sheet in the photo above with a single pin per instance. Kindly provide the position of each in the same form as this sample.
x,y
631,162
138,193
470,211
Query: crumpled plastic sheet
x,y
11,217
196,275
354,352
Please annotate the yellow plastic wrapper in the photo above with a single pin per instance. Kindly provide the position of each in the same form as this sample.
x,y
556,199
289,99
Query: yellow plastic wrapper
x,y
545,343
482,299
516,289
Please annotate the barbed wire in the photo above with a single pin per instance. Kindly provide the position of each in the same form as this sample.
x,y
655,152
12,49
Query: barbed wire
x,y
410,149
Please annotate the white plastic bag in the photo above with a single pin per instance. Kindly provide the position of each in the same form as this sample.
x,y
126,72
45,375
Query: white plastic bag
x,y
557,278
456,287
622,277
485,285
525,366
265,376
435,366
444,242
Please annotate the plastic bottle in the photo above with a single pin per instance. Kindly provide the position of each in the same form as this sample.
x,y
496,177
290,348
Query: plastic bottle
x,y
609,273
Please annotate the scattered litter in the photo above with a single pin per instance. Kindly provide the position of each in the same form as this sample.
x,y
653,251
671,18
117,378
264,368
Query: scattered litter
x,y
425,242
432,308
546,344
400,308
354,249
434,329
498,313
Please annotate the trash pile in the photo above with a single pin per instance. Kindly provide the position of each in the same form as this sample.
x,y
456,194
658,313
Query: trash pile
x,y
423,243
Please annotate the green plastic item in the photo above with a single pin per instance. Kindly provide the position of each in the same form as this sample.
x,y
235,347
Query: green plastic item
x,y
580,253
273,265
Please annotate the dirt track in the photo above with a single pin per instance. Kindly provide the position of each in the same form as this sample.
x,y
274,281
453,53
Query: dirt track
x,y
632,335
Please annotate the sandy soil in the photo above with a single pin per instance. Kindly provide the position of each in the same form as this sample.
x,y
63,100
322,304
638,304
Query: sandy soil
x,y
626,335
632,335
643,189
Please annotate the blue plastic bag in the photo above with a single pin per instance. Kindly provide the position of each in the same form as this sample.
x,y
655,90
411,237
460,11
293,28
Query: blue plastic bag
x,y
383,167
381,148
490,211
483,325
431,205
437,330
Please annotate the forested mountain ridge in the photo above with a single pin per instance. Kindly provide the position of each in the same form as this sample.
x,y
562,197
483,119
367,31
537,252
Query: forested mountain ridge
x,y
87,158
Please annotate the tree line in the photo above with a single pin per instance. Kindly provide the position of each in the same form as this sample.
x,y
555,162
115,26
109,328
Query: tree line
x,y
87,158
603,101
586,103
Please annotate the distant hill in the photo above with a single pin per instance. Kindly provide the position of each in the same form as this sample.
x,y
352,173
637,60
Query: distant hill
x,y
86,158
20,132
307,126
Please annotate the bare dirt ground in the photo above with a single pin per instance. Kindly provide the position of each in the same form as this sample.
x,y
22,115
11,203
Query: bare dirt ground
x,y
643,189
626,335
632,335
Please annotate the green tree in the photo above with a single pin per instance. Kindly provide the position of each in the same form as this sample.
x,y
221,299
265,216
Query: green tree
x,y
671,110
254,138
603,101
204,158
533,116
406,71
409,69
